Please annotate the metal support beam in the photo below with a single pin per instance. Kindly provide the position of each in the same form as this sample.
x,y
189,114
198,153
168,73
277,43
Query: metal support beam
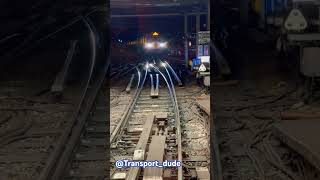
x,y
208,16
198,22
186,59
197,30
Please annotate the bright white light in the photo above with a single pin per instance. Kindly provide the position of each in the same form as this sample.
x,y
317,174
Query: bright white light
x,y
163,64
147,65
163,44
151,65
149,45
205,59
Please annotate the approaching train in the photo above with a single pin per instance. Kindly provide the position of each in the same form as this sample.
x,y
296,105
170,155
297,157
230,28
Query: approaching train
x,y
155,42
152,43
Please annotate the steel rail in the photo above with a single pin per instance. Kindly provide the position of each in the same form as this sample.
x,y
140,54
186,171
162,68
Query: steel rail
x,y
9,37
129,109
177,116
54,157
174,73
178,125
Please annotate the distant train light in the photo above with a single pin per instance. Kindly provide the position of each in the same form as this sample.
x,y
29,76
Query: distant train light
x,y
190,44
155,34
149,45
163,44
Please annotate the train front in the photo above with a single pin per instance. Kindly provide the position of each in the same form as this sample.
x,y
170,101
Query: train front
x,y
155,44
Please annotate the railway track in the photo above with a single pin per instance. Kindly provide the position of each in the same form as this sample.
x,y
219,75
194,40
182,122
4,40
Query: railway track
x,y
71,141
88,159
151,120
52,137
148,123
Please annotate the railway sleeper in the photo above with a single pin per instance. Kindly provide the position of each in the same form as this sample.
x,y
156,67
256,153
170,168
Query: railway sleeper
x,y
130,84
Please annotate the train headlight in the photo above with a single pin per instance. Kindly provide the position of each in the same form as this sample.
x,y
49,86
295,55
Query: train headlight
x,y
149,45
163,45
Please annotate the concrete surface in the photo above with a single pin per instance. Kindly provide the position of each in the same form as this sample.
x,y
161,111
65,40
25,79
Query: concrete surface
x,y
204,103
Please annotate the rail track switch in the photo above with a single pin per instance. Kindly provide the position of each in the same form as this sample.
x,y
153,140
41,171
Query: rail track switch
x,y
162,124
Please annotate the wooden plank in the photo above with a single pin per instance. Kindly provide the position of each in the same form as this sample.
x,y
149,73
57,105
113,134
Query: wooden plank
x,y
59,82
204,103
144,137
141,146
156,152
130,84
